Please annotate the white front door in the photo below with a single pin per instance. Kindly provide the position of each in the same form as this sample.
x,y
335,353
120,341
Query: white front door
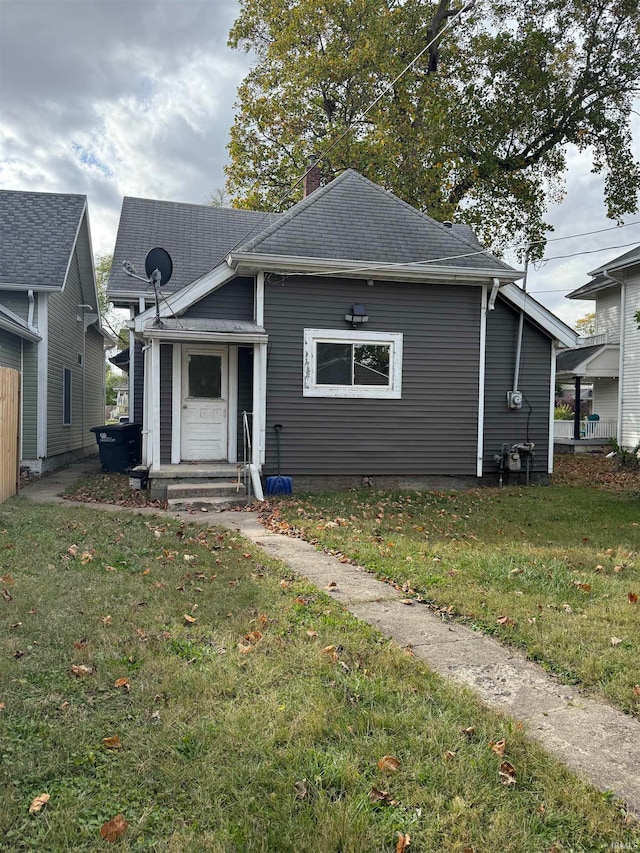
x,y
205,393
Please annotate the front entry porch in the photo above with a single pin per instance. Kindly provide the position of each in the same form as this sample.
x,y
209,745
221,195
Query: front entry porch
x,y
199,379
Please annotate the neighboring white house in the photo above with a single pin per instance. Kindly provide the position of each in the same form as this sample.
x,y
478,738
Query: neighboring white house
x,y
609,359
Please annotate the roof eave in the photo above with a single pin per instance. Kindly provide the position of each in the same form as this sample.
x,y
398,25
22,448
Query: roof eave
x,y
564,334
252,262
17,329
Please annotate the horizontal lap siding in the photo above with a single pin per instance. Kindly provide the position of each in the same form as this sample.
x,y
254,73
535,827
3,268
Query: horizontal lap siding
x,y
431,430
10,350
30,401
16,302
66,335
166,401
501,424
94,400
232,301
245,391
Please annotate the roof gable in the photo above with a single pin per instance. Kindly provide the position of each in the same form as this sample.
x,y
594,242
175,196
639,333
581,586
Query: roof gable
x,y
353,219
38,232
196,236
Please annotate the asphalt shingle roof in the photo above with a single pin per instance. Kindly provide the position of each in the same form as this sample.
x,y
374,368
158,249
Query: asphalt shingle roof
x,y
198,237
570,359
37,235
354,219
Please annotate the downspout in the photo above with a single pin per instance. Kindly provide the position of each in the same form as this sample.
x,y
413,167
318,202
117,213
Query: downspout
x,y
31,309
481,374
516,371
623,322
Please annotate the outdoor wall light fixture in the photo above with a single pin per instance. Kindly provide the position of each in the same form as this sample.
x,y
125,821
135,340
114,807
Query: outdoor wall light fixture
x,y
358,316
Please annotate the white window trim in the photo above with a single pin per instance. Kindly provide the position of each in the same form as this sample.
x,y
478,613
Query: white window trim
x,y
392,339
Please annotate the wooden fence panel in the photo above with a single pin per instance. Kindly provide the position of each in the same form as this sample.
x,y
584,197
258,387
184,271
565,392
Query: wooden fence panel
x,y
9,420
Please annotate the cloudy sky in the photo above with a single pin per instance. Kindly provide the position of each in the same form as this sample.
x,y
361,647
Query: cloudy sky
x,y
135,97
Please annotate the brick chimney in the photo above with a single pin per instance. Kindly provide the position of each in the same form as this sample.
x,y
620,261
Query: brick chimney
x,y
312,178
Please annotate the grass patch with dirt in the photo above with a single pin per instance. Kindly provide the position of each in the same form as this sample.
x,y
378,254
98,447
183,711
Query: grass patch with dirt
x,y
170,677
552,570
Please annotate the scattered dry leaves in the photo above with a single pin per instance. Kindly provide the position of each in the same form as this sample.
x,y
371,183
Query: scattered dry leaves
x,y
114,828
498,746
112,742
507,773
404,840
80,670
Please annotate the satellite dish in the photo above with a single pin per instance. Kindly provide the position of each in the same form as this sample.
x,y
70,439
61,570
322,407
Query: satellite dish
x,y
159,259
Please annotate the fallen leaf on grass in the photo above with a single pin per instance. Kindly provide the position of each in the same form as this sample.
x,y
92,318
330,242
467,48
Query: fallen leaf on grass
x,y
87,557
114,828
507,773
615,641
301,789
633,597
106,620
80,644
377,796
244,648
498,746
112,742
636,690
38,802
146,571
585,587
469,731
312,634
72,551
404,840
121,682
7,595
7,579
2,706
189,619
450,755
81,670
505,620
389,763
253,636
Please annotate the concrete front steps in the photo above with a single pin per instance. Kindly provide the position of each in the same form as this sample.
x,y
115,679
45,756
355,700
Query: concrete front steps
x,y
207,487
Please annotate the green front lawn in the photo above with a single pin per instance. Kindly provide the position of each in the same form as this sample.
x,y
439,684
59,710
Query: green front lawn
x,y
553,570
173,675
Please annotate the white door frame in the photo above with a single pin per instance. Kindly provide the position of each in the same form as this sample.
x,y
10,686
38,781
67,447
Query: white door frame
x,y
229,391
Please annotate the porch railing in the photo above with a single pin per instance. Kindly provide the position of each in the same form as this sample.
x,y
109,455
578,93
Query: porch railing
x,y
604,428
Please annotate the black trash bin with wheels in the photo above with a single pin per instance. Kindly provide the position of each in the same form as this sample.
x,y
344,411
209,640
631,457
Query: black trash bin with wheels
x,y
119,446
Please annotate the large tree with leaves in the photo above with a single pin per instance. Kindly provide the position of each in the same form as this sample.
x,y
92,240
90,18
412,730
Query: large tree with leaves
x,y
478,128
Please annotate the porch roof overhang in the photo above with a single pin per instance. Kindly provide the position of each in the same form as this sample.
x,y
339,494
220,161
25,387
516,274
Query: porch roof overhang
x,y
212,331
597,362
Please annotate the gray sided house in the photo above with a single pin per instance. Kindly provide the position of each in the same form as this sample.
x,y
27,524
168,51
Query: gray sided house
x,y
381,341
50,328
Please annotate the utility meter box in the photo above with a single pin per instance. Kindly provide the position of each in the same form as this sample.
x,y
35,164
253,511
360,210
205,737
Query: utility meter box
x,y
514,399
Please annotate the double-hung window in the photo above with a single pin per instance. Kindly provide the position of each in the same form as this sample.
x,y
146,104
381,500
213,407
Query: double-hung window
x,y
351,364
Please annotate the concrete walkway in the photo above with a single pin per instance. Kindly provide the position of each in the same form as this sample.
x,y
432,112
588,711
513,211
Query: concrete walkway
x,y
590,737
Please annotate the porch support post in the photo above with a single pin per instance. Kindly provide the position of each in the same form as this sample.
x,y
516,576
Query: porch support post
x,y
146,397
176,405
481,377
259,307
155,404
576,414
552,404
259,404
621,377
232,403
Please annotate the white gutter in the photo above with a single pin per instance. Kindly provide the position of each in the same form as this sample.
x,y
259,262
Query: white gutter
x,y
623,310
31,308
481,377
249,262
552,406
